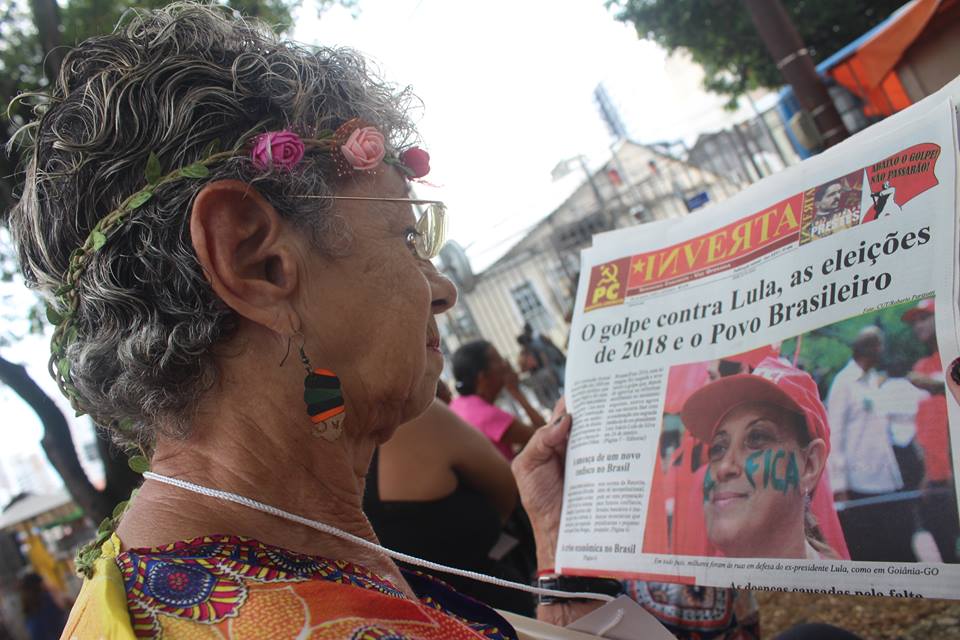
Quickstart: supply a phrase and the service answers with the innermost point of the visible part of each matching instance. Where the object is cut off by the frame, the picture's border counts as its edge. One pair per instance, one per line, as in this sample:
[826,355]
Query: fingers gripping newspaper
[758,388]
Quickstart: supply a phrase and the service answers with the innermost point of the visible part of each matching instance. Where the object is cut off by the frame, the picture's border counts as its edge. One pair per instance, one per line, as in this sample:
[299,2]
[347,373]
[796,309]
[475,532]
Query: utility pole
[793,60]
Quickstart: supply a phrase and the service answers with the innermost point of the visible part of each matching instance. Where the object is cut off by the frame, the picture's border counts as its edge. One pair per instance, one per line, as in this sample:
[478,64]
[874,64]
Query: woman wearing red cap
[767,438]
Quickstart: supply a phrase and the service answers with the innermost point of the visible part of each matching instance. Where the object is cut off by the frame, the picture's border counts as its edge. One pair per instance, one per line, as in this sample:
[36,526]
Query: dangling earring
[324,400]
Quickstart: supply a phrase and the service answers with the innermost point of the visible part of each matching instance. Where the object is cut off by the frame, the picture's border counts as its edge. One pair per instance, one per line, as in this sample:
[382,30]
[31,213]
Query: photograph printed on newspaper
[758,388]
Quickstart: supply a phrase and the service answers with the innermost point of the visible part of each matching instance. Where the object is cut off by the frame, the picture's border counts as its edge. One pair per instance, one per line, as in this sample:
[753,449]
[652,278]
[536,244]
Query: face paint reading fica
[765,462]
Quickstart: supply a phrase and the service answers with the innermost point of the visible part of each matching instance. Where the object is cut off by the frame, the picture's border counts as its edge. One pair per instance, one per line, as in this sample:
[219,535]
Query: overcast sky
[507,88]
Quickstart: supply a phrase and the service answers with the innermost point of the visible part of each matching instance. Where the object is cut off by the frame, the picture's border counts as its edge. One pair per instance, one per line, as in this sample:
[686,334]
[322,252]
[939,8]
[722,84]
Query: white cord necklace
[396,555]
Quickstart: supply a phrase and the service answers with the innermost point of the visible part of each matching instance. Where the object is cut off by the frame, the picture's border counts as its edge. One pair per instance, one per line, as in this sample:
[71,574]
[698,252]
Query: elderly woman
[202,200]
[767,439]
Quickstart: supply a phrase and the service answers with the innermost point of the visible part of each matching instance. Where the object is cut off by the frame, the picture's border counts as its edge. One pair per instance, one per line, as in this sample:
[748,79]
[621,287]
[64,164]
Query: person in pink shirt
[482,374]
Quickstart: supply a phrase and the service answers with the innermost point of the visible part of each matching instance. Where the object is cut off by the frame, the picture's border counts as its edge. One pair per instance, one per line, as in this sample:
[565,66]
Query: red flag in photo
[899,178]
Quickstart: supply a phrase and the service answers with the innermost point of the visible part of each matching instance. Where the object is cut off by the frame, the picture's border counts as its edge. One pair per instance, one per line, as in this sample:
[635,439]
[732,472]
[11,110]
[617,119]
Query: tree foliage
[720,36]
[34,36]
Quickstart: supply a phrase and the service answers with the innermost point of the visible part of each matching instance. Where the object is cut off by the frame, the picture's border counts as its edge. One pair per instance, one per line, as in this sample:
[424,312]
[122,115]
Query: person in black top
[439,490]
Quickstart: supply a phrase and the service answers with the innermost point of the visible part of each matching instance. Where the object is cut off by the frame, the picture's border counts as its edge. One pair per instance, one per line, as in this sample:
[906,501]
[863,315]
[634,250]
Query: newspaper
[758,388]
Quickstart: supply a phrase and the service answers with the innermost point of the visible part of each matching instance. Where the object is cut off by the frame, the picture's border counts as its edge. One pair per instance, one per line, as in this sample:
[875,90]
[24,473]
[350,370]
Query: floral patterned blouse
[217,587]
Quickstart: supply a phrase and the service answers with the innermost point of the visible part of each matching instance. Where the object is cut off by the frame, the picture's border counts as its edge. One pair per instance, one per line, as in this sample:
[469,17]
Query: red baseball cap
[924,308]
[773,381]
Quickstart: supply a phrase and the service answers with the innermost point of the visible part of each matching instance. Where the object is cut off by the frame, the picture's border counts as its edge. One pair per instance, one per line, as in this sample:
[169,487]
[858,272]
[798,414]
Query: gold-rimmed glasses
[428,235]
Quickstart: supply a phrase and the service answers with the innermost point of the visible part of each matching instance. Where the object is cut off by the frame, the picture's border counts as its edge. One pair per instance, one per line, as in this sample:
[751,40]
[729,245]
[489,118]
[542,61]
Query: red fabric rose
[364,149]
[417,161]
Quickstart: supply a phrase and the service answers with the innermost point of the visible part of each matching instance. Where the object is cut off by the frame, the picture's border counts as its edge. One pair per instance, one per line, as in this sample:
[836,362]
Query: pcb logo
[607,284]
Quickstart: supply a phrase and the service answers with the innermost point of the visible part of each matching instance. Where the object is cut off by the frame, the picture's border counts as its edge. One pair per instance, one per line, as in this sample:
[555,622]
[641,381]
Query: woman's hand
[510,379]
[539,473]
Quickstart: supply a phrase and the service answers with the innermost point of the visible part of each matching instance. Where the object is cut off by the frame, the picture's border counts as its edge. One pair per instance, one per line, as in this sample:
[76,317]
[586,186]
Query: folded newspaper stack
[758,388]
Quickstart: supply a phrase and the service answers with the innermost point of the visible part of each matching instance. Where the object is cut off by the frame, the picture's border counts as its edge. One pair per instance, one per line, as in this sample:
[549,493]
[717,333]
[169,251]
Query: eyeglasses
[428,235]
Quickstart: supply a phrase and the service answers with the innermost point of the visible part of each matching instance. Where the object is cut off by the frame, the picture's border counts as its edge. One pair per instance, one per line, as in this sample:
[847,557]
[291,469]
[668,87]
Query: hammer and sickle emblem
[608,287]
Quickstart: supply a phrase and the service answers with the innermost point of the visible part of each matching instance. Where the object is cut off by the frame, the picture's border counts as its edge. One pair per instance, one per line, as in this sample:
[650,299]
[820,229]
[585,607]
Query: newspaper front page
[758,388]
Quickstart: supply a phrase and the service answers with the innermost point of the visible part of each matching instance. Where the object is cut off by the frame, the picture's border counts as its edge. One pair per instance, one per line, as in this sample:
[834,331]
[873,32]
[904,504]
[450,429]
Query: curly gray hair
[172,82]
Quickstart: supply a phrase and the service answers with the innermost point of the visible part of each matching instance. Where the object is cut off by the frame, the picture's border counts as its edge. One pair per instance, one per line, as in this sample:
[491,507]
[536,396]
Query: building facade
[535,281]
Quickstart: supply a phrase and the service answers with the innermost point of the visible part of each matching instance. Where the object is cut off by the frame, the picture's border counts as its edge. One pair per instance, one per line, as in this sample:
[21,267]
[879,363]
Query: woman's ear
[813,465]
[246,253]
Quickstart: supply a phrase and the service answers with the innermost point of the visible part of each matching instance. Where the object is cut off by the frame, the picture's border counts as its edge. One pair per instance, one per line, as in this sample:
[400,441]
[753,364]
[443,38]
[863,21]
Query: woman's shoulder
[449,429]
[224,586]
[439,426]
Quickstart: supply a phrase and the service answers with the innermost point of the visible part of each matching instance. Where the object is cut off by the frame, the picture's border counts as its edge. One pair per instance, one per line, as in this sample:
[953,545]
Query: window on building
[467,326]
[530,307]
[579,234]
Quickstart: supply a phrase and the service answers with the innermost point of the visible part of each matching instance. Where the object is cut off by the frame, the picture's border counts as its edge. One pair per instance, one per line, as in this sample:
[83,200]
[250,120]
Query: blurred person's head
[921,319]
[528,360]
[527,334]
[767,436]
[867,347]
[479,369]
[32,594]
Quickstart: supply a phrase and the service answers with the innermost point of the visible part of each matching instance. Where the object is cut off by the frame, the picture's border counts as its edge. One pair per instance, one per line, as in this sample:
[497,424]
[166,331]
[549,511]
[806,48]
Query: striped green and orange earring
[324,400]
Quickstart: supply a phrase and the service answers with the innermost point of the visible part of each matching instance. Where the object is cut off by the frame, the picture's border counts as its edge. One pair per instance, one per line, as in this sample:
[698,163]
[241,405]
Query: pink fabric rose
[276,149]
[364,149]
[417,161]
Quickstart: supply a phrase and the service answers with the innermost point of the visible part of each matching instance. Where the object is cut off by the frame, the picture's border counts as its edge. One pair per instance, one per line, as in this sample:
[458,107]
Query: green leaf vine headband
[357,147]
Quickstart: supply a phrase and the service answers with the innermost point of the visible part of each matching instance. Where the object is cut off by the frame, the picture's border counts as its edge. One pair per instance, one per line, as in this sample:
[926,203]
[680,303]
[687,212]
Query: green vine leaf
[86,557]
[153,172]
[63,290]
[53,317]
[98,240]
[325,133]
[195,170]
[63,367]
[139,464]
[120,508]
[139,199]
[106,527]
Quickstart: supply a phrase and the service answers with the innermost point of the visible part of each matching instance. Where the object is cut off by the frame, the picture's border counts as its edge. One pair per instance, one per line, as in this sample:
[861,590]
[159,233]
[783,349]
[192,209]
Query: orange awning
[870,71]
[880,54]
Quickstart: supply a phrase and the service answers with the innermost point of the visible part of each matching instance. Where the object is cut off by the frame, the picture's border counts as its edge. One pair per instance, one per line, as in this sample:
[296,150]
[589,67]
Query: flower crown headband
[355,145]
